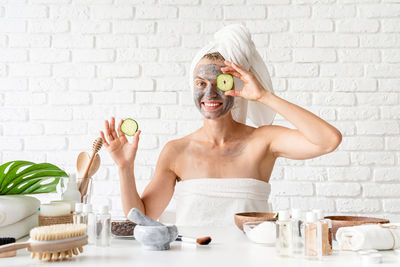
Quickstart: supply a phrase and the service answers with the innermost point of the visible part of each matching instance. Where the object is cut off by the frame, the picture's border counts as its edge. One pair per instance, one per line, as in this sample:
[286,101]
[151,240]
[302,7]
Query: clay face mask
[209,100]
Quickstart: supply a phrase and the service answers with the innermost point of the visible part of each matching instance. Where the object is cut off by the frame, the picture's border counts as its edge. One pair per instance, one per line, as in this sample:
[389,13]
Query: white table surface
[229,247]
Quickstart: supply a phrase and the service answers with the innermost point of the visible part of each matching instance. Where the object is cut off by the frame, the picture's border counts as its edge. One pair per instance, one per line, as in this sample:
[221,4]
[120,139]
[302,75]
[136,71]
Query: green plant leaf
[34,171]
[24,177]
[12,170]
[39,175]
[47,188]
[2,171]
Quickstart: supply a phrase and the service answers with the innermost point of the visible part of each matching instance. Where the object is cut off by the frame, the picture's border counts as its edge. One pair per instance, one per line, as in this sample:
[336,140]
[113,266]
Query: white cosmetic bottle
[284,234]
[72,192]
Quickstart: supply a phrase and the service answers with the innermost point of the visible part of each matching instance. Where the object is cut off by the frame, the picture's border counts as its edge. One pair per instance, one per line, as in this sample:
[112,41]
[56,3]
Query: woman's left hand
[252,88]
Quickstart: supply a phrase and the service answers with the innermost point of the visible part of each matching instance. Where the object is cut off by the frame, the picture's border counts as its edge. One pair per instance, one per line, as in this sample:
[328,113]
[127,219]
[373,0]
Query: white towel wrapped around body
[14,208]
[369,236]
[20,228]
[214,201]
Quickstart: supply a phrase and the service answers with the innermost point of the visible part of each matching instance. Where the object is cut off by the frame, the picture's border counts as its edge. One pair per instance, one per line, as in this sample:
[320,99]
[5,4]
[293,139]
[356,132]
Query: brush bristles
[60,255]
[57,232]
[97,144]
[203,240]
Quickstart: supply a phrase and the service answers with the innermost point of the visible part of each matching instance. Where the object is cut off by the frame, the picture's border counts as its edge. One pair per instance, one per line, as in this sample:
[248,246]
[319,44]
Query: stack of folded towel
[369,236]
[18,215]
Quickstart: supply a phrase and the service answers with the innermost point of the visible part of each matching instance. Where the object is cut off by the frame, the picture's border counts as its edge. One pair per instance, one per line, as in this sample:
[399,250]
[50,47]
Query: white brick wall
[66,65]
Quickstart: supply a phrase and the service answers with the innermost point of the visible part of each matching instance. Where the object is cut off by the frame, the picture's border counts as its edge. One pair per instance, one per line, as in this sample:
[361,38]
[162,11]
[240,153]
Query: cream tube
[55,209]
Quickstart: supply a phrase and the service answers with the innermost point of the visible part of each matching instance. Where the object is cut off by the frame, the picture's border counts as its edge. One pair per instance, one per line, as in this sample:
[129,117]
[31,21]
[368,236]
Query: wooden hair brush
[53,241]
[83,186]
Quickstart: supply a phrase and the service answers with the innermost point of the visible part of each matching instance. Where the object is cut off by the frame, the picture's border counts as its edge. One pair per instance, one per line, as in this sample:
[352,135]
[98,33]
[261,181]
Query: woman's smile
[210,106]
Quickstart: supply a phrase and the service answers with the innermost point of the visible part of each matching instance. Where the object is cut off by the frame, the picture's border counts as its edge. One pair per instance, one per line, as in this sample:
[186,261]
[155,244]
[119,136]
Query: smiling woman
[211,101]
[224,167]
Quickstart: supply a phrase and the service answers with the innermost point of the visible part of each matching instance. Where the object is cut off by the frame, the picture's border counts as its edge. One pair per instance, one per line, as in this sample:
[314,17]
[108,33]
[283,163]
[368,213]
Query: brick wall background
[66,65]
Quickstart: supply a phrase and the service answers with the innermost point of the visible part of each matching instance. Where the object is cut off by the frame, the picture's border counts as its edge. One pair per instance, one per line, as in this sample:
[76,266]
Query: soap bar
[55,209]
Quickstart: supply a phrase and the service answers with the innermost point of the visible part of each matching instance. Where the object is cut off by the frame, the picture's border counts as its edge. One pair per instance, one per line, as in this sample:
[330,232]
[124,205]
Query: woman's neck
[220,130]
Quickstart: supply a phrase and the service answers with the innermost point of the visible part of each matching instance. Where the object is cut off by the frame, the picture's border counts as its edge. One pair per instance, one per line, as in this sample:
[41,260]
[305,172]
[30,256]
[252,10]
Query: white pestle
[139,218]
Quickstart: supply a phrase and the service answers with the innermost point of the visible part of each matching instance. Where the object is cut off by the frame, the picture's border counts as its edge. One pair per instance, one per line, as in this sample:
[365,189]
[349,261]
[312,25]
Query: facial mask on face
[209,100]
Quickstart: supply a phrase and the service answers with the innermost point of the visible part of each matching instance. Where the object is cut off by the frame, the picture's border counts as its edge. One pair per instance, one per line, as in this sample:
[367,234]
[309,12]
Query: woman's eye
[201,84]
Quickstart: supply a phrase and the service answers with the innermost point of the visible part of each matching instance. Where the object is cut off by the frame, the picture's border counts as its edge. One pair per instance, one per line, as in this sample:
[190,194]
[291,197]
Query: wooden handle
[83,185]
[14,246]
[85,174]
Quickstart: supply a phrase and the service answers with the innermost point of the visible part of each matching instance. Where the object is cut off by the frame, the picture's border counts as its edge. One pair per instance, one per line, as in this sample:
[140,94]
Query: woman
[223,167]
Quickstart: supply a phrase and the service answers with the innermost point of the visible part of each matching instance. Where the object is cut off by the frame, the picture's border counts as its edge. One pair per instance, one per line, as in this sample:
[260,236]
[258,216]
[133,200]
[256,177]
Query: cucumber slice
[129,127]
[225,82]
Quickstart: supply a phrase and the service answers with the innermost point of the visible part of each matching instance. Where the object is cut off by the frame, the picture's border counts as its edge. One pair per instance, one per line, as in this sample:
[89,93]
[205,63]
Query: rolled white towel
[20,228]
[369,236]
[14,208]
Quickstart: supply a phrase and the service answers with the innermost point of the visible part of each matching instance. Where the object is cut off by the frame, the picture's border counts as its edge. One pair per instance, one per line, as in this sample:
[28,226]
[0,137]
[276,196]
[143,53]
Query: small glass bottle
[298,232]
[78,216]
[330,236]
[103,227]
[90,220]
[284,234]
[312,246]
[324,232]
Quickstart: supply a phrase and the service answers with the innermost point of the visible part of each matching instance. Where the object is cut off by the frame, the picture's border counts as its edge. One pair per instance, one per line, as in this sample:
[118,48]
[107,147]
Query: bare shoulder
[176,146]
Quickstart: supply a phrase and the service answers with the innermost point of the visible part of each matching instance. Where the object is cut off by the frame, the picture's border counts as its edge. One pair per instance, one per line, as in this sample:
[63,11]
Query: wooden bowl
[241,218]
[345,221]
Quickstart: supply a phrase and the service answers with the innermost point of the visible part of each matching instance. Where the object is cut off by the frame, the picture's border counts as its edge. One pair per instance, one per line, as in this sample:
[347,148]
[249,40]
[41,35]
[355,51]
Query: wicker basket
[49,220]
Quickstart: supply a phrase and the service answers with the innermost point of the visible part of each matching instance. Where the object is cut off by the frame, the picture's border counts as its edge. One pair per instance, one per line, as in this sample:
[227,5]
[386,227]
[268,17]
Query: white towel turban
[234,43]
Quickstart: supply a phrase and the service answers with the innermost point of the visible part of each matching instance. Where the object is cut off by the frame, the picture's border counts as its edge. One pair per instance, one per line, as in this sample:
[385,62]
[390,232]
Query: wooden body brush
[83,186]
[53,241]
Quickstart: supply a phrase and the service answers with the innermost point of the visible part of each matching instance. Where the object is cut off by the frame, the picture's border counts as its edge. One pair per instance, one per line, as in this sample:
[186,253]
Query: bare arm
[158,192]
[313,136]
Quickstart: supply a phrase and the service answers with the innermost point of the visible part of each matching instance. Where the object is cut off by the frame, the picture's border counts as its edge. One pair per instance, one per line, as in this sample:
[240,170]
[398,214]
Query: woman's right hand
[121,151]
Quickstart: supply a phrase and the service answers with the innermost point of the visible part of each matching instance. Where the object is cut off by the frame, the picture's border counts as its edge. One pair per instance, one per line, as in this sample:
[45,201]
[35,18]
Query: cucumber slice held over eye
[225,82]
[129,127]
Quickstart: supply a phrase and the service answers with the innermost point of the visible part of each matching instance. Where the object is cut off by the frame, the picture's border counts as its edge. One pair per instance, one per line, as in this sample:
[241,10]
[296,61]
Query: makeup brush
[201,240]
[83,186]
